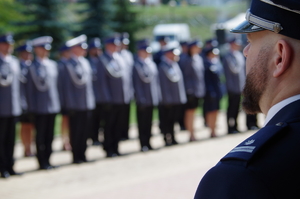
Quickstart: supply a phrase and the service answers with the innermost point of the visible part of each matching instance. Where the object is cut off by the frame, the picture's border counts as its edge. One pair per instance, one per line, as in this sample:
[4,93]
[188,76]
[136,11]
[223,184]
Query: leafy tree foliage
[127,20]
[9,13]
[165,1]
[45,19]
[98,15]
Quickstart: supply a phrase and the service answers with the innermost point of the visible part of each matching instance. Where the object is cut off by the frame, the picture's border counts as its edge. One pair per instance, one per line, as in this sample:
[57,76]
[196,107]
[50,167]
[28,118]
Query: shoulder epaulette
[252,145]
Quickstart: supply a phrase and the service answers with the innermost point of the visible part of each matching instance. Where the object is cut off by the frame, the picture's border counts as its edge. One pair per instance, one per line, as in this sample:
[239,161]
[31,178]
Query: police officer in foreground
[146,90]
[266,165]
[43,99]
[79,96]
[172,90]
[10,104]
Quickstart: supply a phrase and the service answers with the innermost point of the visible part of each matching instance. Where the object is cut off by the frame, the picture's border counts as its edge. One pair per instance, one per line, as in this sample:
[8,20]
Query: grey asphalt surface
[165,173]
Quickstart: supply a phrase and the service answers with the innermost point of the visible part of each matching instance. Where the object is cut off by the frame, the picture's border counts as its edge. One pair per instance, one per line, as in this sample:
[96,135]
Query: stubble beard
[256,83]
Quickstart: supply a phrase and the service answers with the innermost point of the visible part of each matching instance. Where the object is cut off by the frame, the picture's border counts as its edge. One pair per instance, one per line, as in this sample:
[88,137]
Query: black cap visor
[246,27]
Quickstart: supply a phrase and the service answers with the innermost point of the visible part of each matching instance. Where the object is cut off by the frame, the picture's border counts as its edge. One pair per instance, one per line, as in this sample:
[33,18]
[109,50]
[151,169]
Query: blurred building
[146,2]
[189,2]
[211,2]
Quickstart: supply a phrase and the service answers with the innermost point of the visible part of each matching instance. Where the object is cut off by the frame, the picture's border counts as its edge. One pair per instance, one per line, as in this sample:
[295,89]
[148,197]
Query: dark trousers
[44,126]
[79,128]
[7,142]
[251,121]
[125,122]
[233,111]
[144,119]
[97,121]
[168,115]
[181,116]
[116,122]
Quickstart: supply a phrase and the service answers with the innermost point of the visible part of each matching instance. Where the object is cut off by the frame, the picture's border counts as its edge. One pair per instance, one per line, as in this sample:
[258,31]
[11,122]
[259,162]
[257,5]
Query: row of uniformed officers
[100,88]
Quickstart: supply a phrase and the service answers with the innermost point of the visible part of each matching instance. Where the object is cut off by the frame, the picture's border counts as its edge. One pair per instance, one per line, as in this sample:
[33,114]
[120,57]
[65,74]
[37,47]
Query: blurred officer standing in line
[172,90]
[163,40]
[234,69]
[65,55]
[193,75]
[10,104]
[116,95]
[125,53]
[147,91]
[78,95]
[265,165]
[183,55]
[25,57]
[94,53]
[127,59]
[43,99]
[213,94]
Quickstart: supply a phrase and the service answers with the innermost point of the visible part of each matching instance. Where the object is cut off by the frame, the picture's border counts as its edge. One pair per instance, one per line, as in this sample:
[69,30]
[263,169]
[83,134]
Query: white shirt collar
[277,107]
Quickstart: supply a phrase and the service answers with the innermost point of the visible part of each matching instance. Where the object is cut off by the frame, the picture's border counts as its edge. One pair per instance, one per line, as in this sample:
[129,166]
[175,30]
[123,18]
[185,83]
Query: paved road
[166,173]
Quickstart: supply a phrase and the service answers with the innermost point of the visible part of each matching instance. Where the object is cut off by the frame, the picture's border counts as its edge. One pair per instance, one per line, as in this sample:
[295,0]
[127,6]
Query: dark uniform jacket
[146,82]
[125,60]
[212,74]
[41,87]
[234,69]
[24,65]
[76,82]
[171,83]
[61,65]
[264,166]
[193,75]
[10,103]
[101,90]
[117,81]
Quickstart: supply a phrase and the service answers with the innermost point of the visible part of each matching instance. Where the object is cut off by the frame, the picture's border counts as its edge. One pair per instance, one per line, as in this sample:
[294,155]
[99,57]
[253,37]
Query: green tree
[97,18]
[165,1]
[45,19]
[127,20]
[9,13]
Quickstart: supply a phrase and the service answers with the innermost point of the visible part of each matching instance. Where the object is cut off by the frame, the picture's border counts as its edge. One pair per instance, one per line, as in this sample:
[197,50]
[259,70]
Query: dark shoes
[233,132]
[13,173]
[7,174]
[146,148]
[47,167]
[111,154]
[96,143]
[82,161]
[253,128]
[173,142]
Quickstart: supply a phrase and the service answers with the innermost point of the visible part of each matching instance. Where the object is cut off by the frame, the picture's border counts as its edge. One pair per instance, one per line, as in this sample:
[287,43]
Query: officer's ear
[283,57]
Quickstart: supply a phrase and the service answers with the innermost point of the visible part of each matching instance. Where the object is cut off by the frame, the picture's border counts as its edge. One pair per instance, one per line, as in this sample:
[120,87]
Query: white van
[174,32]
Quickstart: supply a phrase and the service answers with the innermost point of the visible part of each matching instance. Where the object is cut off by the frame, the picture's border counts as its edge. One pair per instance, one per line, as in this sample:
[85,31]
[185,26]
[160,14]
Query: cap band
[264,23]
[280,6]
